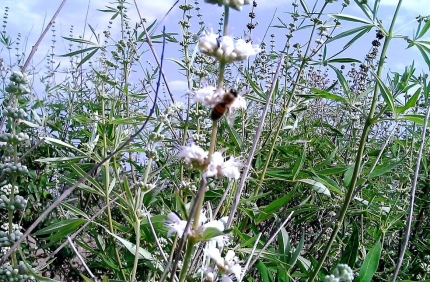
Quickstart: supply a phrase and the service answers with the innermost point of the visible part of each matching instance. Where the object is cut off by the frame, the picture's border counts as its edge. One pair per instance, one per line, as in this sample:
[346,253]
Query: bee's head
[234,92]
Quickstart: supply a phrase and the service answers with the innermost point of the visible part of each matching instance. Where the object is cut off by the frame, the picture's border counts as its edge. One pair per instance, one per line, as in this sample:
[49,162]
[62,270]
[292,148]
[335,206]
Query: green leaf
[370,264]
[296,253]
[414,118]
[299,162]
[384,168]
[318,93]
[424,30]
[60,143]
[351,251]
[79,40]
[344,60]
[269,210]
[87,57]
[385,92]
[342,81]
[351,19]
[211,232]
[424,51]
[284,244]
[143,254]
[410,103]
[79,52]
[59,159]
[361,29]
[264,273]
[305,8]
[316,186]
[65,224]
[275,205]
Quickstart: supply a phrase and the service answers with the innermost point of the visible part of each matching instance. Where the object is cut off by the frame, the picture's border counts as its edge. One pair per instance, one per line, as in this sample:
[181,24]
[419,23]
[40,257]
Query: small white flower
[208,96]
[175,224]
[219,167]
[228,265]
[230,168]
[214,166]
[193,155]
[235,4]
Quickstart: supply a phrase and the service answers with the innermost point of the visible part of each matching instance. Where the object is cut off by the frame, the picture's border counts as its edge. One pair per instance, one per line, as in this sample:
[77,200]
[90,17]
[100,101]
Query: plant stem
[136,254]
[369,122]
[187,259]
[107,196]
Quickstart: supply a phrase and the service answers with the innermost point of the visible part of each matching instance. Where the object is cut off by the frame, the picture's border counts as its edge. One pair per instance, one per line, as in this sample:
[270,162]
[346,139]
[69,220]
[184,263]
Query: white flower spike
[235,4]
[224,48]
[194,155]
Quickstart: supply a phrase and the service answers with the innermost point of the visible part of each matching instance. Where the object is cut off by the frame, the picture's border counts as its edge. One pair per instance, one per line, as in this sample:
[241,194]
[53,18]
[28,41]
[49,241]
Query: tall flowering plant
[211,163]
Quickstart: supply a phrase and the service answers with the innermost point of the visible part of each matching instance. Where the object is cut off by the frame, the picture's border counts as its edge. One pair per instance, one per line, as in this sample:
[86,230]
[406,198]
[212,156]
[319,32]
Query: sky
[29,17]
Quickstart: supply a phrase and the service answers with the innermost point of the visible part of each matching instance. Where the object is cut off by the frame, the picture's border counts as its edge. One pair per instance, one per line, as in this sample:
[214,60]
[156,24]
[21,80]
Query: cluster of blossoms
[209,96]
[342,273]
[196,157]
[225,48]
[206,231]
[227,266]
[235,4]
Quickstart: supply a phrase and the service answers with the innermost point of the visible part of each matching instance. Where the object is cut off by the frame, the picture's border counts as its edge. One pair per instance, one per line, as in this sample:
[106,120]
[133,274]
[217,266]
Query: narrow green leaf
[411,102]
[296,253]
[342,81]
[79,40]
[59,159]
[370,264]
[87,57]
[299,162]
[275,205]
[58,142]
[77,52]
[350,18]
[365,8]
[348,176]
[355,38]
[424,30]
[349,32]
[318,93]
[316,186]
[60,225]
[349,256]
[385,92]
[284,244]
[424,53]
[344,60]
[414,118]
[264,273]
[304,6]
[384,168]
[143,254]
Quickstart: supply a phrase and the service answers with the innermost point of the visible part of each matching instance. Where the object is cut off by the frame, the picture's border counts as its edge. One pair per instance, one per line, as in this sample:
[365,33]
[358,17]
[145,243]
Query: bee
[221,108]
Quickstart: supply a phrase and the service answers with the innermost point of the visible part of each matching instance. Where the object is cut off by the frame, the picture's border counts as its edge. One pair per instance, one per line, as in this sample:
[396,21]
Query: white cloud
[178,86]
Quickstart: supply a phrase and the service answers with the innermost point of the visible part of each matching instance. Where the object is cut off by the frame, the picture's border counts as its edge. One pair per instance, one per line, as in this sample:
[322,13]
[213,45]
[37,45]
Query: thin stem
[408,226]
[254,146]
[360,153]
[106,166]
[213,139]
[187,259]
[137,253]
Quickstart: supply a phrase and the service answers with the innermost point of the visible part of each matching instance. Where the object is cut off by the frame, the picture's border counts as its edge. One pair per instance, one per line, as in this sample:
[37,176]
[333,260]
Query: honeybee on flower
[221,102]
